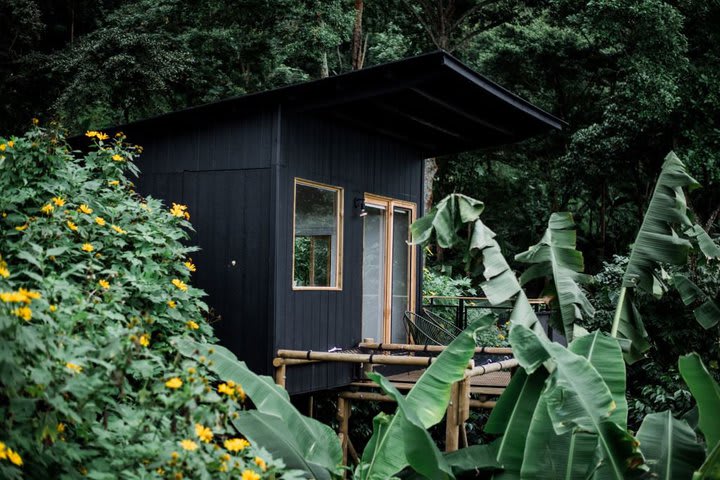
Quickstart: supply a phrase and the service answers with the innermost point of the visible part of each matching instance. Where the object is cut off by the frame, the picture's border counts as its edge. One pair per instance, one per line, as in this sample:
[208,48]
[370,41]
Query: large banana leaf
[572,455]
[657,242]
[317,443]
[710,469]
[501,284]
[384,455]
[420,450]
[708,313]
[578,399]
[556,257]
[707,395]
[271,432]
[670,446]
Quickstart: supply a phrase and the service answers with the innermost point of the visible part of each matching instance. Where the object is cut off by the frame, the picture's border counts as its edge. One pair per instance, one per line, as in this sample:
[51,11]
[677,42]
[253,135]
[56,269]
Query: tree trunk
[324,69]
[431,168]
[358,56]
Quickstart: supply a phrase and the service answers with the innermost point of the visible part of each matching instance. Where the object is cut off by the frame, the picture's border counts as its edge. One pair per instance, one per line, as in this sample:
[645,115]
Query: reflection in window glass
[316,244]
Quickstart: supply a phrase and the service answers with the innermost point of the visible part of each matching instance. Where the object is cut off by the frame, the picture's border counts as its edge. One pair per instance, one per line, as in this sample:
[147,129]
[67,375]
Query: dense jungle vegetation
[634,79]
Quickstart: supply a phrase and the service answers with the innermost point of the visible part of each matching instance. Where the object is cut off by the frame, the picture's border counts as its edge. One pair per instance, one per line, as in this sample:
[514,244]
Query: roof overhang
[432,102]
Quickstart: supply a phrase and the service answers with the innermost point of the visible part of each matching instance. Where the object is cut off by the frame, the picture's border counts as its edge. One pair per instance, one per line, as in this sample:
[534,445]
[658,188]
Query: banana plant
[666,236]
[398,440]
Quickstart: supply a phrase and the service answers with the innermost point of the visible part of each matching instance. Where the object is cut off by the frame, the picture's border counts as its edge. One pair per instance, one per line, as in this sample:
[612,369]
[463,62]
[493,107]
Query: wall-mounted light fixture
[360,207]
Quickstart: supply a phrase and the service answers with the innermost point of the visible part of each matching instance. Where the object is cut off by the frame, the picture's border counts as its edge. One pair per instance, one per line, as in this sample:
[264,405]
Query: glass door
[388,268]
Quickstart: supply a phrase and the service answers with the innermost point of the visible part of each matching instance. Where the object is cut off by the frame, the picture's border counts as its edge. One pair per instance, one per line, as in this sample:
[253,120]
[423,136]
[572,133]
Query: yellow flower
[191,370]
[60,427]
[4,272]
[72,226]
[35,121]
[178,210]
[114,183]
[188,445]
[2,147]
[58,201]
[3,451]
[118,158]
[85,209]
[88,247]
[14,457]
[73,367]
[236,444]
[174,383]
[160,471]
[190,266]
[22,227]
[104,284]
[118,229]
[171,304]
[203,433]
[119,134]
[144,340]
[260,463]
[47,209]
[100,221]
[192,325]
[240,393]
[179,284]
[226,389]
[102,136]
[11,144]
[250,475]
[91,133]
[53,308]
[23,312]
[501,337]
[29,295]
[175,455]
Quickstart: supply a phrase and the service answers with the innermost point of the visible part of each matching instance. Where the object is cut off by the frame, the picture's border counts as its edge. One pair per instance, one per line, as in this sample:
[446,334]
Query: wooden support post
[280,374]
[463,408]
[343,416]
[451,420]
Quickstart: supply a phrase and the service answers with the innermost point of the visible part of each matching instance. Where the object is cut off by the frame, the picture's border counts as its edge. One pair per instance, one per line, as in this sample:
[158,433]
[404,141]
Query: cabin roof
[433,102]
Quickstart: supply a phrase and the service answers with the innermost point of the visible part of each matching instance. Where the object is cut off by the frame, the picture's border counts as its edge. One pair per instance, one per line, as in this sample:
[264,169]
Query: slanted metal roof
[433,102]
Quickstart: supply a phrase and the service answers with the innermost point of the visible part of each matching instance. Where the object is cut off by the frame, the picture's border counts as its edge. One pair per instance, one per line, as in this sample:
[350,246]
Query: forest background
[634,79]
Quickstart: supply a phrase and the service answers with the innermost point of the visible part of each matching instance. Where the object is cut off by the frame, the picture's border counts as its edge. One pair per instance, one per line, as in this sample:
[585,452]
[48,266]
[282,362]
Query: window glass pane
[400,273]
[316,236]
[373,293]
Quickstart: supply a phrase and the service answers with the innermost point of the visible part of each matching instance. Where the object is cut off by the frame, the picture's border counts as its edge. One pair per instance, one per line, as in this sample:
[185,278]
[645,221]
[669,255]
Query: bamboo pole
[280,375]
[343,416]
[356,358]
[429,348]
[369,396]
[492,367]
[452,430]
[291,361]
[482,403]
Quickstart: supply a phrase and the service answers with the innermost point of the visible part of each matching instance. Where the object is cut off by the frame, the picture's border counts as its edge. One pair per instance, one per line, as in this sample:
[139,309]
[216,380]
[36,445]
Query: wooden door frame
[389,204]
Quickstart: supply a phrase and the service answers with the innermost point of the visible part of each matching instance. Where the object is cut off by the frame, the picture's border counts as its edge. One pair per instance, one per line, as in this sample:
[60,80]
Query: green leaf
[318,443]
[473,459]
[710,469]
[446,219]
[273,434]
[707,395]
[670,446]
[708,313]
[385,454]
[555,256]
[707,246]
[420,449]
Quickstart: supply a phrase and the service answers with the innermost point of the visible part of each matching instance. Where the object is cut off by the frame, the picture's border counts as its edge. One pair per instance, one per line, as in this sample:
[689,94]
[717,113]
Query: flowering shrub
[94,288]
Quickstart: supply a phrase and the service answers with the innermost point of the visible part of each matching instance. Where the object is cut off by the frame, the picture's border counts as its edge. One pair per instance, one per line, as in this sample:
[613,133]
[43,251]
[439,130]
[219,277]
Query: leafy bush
[95,289]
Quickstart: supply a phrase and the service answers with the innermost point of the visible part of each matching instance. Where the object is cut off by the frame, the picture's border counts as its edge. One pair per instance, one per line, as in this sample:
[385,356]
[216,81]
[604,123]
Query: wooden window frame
[389,204]
[339,217]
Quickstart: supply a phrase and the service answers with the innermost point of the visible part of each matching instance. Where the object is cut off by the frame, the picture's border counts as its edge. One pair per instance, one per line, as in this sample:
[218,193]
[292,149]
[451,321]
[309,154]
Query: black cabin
[302,198]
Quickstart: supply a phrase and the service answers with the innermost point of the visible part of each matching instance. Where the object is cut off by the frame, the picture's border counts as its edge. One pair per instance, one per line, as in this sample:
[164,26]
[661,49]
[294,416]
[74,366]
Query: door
[388,268]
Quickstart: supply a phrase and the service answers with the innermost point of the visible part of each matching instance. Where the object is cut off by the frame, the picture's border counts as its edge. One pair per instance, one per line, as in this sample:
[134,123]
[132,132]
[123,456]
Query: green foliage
[303,442]
[94,292]
[389,451]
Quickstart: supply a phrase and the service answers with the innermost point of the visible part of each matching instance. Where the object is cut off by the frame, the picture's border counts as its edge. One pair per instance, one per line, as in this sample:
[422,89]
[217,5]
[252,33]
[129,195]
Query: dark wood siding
[325,152]
[222,172]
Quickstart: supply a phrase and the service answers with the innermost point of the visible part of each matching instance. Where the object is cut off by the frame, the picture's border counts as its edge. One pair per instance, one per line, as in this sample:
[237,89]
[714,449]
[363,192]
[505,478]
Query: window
[388,268]
[317,236]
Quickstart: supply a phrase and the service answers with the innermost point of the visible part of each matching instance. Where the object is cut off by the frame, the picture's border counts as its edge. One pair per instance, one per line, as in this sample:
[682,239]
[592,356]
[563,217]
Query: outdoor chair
[424,330]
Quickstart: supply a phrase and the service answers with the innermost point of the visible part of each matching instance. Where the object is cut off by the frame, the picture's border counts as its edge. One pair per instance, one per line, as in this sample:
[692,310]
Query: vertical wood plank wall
[221,170]
[236,176]
[359,162]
